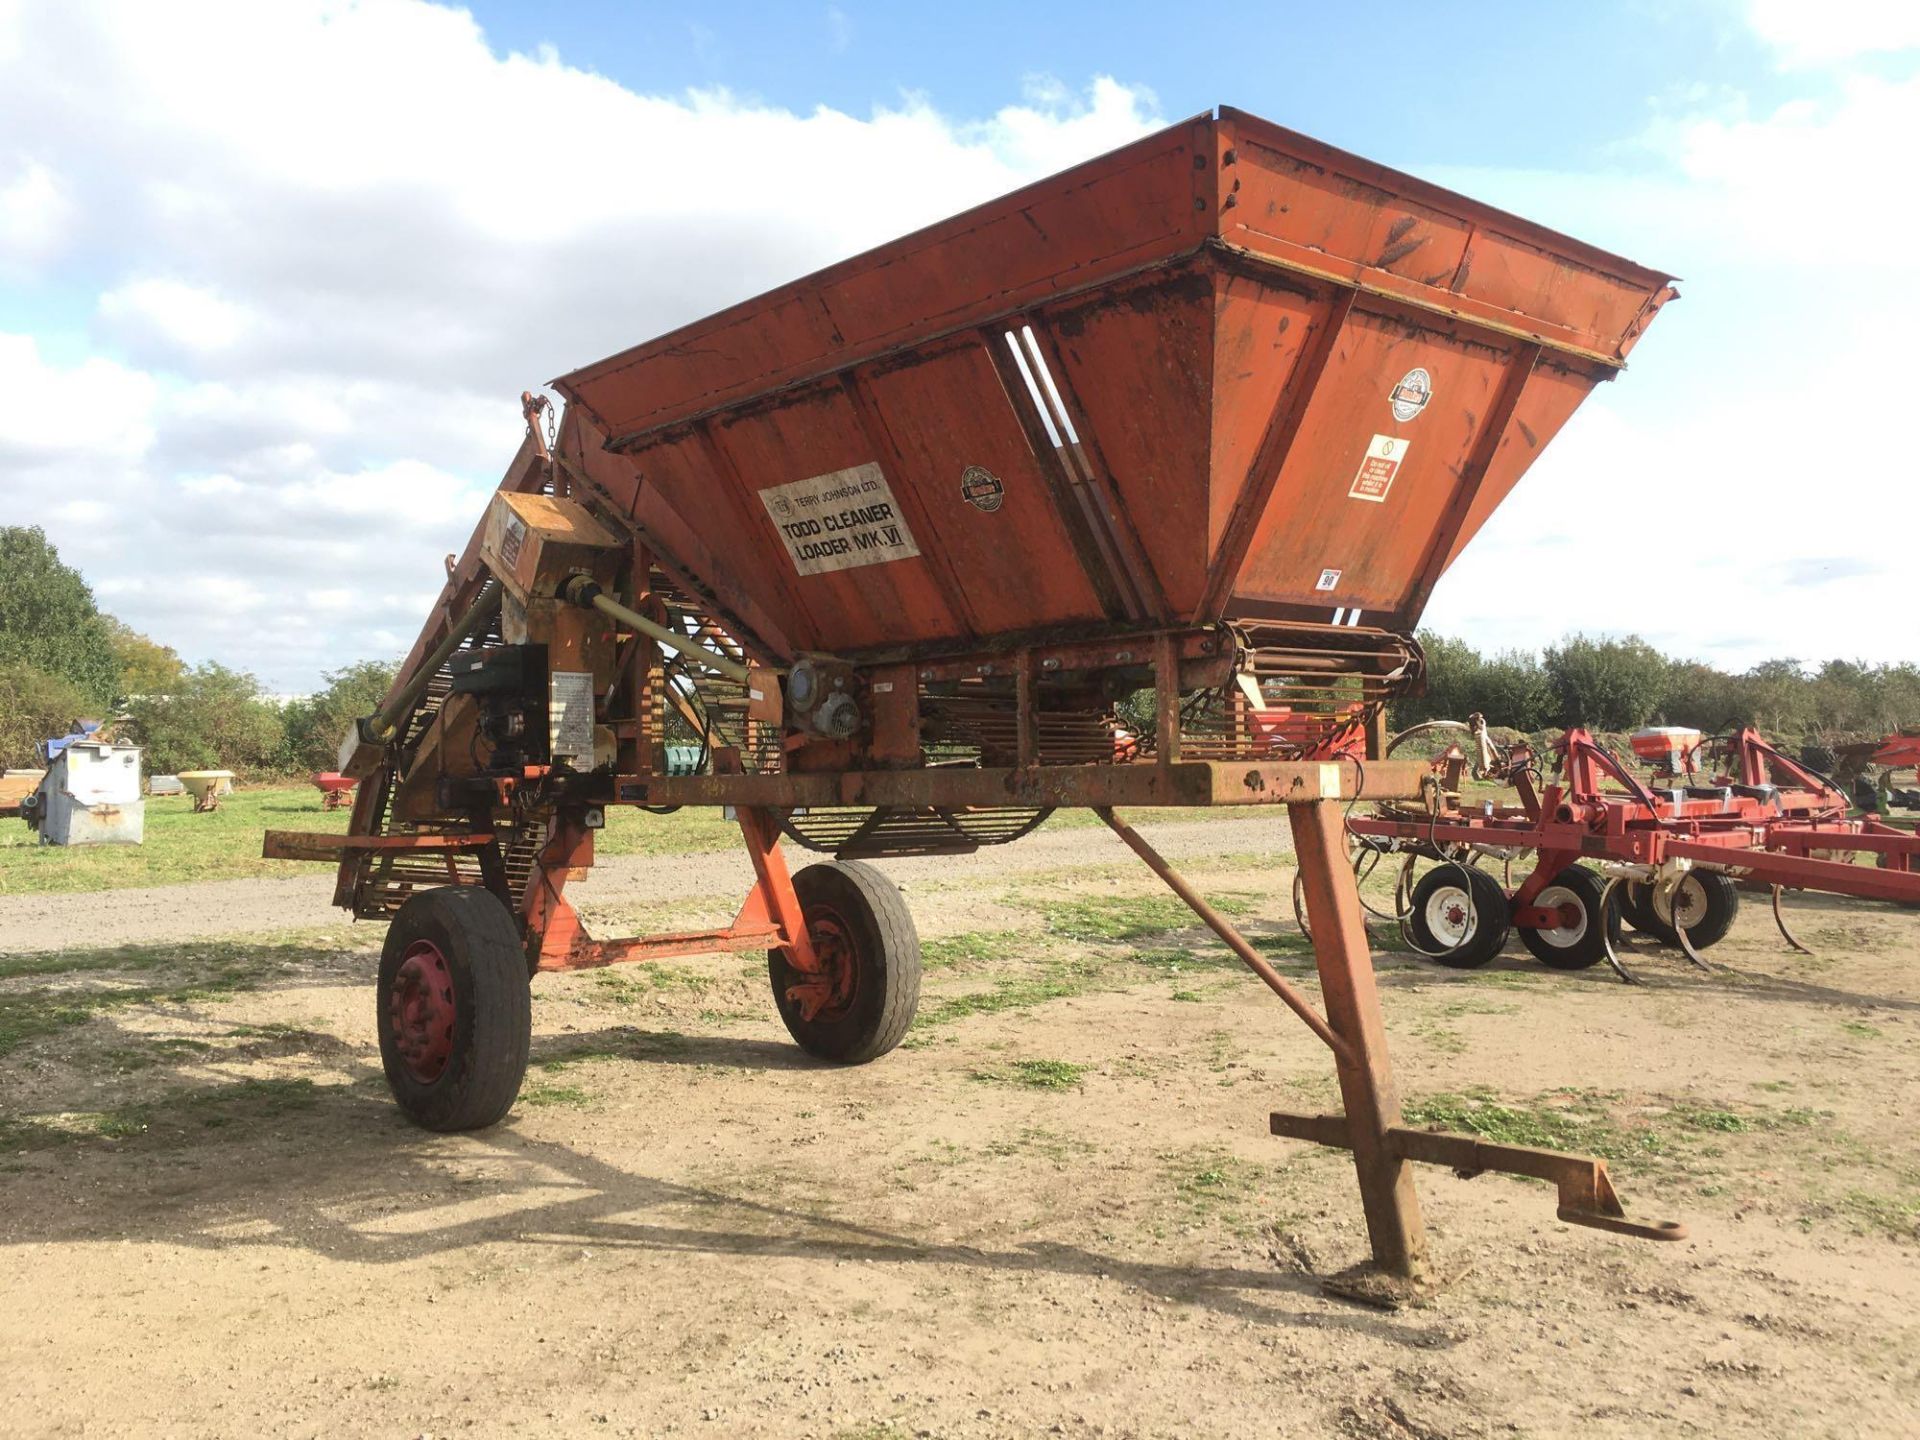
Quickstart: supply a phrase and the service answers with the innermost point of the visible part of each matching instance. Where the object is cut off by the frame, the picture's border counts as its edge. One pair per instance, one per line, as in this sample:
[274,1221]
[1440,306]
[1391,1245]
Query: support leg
[1352,1003]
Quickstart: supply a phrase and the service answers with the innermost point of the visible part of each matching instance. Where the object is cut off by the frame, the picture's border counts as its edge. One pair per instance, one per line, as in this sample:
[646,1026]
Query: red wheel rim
[838,953]
[420,1012]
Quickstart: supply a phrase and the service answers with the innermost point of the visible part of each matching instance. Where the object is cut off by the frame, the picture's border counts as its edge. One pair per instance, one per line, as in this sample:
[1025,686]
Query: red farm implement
[1673,851]
[881,560]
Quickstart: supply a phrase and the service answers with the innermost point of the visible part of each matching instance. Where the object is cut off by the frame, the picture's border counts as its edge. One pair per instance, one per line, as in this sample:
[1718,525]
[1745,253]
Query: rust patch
[1399,251]
[1526,433]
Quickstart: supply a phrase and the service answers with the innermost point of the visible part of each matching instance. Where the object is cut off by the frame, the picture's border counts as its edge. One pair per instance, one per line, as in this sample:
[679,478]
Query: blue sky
[1514,85]
[271,282]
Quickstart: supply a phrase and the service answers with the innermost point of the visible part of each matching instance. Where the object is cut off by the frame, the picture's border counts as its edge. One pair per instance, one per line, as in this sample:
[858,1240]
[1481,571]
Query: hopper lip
[1410,186]
[1224,119]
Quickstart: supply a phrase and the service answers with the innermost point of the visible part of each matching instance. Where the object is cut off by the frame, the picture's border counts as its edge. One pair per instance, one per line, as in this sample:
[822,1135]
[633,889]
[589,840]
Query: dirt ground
[1055,1211]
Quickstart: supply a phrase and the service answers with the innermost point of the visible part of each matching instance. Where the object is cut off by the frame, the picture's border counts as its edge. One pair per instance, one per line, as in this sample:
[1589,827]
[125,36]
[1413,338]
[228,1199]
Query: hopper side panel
[874,600]
[673,492]
[1261,331]
[1348,527]
[1552,395]
[989,510]
[1139,375]
[1107,224]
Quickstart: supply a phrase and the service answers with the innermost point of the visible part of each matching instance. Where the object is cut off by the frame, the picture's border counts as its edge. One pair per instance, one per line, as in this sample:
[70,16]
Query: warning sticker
[839,520]
[1384,457]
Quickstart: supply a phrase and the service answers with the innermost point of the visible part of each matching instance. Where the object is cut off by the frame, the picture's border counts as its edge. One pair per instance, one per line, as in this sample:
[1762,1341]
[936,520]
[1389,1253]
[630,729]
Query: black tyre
[860,1006]
[1458,916]
[1707,904]
[1636,907]
[1577,942]
[455,1012]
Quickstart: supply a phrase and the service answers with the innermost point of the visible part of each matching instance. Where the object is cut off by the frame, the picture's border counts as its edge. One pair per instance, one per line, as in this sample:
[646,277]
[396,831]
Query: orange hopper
[1225,371]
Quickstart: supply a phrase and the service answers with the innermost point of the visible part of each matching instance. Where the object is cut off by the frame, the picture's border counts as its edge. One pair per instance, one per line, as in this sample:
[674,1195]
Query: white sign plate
[839,520]
[570,717]
[1385,455]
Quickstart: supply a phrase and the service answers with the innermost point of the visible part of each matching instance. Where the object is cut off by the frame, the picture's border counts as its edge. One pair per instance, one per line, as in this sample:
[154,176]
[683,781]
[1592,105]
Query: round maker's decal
[981,488]
[1411,395]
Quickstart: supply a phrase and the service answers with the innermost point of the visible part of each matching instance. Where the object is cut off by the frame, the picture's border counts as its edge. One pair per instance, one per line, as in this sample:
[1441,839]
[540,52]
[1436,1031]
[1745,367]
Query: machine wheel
[1578,945]
[1636,907]
[1707,904]
[455,1012]
[1458,916]
[865,937]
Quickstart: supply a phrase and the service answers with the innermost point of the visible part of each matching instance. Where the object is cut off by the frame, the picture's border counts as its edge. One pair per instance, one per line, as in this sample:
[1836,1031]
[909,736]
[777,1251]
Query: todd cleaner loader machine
[874,559]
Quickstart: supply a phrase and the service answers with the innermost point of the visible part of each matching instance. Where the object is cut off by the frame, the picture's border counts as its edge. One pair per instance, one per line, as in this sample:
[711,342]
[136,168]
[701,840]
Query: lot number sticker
[1385,455]
[839,520]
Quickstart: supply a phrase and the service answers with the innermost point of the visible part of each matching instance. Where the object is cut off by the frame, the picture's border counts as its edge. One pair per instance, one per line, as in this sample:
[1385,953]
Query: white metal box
[91,796]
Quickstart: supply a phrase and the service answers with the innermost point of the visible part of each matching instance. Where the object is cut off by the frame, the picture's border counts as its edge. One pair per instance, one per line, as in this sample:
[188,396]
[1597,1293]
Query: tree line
[63,659]
[1622,684]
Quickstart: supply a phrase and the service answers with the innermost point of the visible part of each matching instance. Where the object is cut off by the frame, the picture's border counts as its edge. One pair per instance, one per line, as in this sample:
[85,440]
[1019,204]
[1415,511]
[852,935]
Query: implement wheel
[1458,916]
[455,1011]
[1636,907]
[1707,903]
[860,1005]
[1577,941]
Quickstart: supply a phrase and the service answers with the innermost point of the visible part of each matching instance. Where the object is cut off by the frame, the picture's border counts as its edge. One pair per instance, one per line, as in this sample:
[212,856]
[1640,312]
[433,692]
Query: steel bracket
[1587,1195]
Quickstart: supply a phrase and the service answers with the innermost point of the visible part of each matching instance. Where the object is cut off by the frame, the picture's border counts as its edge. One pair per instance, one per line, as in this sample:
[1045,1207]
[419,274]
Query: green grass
[1009,992]
[180,846]
[970,950]
[1895,1216]
[183,848]
[1032,1074]
[550,1095]
[93,983]
[1579,1121]
[175,1116]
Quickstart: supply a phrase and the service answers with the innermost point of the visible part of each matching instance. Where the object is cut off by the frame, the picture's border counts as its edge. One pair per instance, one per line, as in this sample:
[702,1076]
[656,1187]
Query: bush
[37,705]
[1510,688]
[1620,685]
[214,719]
[316,725]
[1606,684]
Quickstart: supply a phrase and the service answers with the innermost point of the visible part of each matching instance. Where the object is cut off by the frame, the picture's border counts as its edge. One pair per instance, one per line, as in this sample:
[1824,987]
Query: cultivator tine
[1780,919]
[1686,945]
[1606,935]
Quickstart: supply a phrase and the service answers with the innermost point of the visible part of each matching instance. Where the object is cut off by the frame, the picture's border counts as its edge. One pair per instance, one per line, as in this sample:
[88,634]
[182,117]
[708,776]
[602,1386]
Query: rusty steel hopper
[1226,371]
[887,560]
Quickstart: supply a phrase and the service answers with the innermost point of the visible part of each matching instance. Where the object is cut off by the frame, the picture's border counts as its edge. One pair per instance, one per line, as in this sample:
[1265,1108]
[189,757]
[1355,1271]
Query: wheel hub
[421,1012]
[828,994]
[1571,913]
[1450,917]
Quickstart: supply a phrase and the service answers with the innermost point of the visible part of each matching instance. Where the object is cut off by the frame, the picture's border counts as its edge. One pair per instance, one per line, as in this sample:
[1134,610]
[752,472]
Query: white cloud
[34,212]
[1807,34]
[332,240]
[96,412]
[172,319]
[1744,491]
